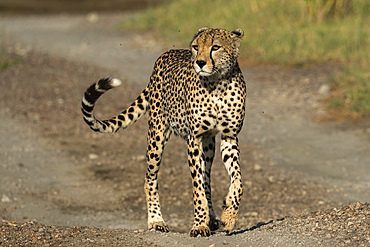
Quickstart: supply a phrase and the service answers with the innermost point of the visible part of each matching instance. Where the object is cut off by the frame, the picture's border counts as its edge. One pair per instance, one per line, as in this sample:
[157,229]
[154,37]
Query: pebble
[92,17]
[253,214]
[93,156]
[139,158]
[324,90]
[257,167]
[5,199]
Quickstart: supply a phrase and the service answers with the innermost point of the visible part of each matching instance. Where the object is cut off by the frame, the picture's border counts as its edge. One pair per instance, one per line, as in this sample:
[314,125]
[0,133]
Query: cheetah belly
[176,116]
[179,126]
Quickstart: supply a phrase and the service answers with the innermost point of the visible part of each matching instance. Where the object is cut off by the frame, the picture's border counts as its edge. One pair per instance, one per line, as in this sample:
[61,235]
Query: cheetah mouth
[204,73]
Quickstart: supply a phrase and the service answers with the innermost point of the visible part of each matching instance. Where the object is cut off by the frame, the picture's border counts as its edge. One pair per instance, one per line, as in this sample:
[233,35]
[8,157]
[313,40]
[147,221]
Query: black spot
[207,123]
[226,131]
[226,157]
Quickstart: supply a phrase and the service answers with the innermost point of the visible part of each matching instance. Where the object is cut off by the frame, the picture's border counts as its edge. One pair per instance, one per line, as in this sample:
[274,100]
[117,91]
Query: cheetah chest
[222,110]
[205,112]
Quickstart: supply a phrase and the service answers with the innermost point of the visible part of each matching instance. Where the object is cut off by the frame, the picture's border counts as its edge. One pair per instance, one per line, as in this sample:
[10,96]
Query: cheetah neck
[218,82]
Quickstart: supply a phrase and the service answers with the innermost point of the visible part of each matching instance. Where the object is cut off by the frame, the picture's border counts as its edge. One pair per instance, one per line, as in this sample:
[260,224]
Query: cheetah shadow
[259,225]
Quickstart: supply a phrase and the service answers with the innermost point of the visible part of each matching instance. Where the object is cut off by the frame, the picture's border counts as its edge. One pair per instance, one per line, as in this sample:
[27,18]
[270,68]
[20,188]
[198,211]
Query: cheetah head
[215,51]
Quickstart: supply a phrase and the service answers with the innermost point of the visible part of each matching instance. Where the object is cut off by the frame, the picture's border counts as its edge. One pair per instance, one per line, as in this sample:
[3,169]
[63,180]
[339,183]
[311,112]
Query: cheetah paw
[215,224]
[159,226]
[202,231]
[228,220]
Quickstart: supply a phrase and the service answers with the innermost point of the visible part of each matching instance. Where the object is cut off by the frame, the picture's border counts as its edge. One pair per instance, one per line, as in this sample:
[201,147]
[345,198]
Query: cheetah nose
[201,63]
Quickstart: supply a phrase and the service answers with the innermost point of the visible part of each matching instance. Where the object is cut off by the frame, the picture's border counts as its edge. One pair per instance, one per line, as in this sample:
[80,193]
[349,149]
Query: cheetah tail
[124,119]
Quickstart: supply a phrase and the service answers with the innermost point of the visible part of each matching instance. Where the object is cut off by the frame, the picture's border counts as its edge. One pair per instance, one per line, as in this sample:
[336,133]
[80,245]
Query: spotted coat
[194,93]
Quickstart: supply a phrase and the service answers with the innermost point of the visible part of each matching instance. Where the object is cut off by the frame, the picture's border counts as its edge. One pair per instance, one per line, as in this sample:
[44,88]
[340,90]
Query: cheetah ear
[201,30]
[237,33]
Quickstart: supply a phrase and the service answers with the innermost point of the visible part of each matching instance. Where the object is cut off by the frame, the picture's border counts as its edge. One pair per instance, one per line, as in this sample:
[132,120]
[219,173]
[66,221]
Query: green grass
[280,32]
[352,90]
[5,62]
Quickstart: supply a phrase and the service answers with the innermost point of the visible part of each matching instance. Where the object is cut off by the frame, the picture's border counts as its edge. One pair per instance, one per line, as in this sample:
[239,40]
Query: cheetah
[194,93]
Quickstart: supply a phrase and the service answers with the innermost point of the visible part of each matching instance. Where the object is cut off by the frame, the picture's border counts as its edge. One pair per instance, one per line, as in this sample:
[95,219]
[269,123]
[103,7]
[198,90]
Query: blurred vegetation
[282,32]
[318,10]
[73,6]
[6,62]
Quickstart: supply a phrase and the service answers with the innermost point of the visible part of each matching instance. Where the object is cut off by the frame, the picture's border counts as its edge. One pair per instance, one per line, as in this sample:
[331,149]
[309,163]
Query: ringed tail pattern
[124,119]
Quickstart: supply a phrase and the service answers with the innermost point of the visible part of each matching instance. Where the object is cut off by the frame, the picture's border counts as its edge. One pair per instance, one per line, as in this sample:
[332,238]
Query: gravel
[345,226]
[348,225]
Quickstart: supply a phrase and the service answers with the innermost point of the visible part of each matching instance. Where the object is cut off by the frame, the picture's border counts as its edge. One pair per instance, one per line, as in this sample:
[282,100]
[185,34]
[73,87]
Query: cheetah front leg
[197,169]
[230,157]
[157,139]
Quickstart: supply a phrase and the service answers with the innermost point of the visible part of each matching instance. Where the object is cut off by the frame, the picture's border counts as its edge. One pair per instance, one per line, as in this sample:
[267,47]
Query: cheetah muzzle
[194,93]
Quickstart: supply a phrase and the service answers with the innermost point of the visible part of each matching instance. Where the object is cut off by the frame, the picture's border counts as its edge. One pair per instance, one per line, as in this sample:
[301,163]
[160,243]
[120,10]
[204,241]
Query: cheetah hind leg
[215,223]
[209,145]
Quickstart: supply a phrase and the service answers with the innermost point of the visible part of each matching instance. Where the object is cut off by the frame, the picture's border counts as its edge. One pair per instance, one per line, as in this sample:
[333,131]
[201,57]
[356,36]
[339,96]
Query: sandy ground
[55,171]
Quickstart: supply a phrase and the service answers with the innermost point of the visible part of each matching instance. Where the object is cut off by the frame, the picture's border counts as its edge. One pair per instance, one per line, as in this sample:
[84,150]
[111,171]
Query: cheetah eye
[195,47]
[216,47]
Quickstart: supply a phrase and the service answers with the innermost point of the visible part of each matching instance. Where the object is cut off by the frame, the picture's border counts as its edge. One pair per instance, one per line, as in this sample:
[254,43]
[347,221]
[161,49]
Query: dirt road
[56,171]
